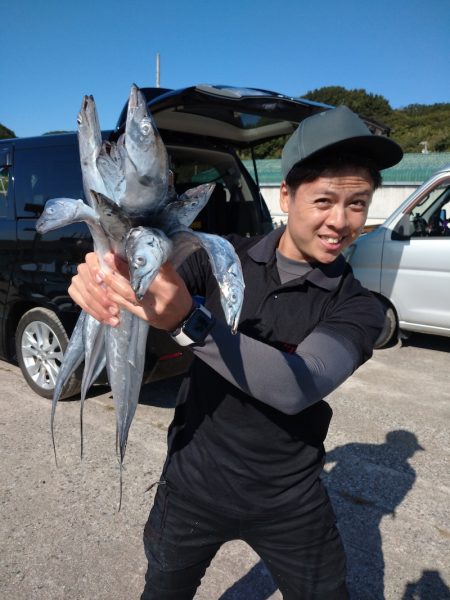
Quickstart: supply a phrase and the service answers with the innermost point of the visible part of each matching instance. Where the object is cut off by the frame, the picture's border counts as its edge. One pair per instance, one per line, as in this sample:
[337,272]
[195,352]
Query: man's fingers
[115,263]
[88,291]
[119,284]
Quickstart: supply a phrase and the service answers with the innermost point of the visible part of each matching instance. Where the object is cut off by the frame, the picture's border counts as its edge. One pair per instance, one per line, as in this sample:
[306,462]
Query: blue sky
[55,51]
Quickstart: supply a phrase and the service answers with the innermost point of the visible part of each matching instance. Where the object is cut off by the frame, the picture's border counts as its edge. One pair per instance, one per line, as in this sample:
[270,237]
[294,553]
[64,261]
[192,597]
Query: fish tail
[52,425]
[81,427]
[53,443]
[120,486]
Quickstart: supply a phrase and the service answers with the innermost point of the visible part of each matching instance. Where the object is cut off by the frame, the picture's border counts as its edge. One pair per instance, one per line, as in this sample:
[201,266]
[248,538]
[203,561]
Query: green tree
[364,103]
[6,133]
[418,123]
[409,126]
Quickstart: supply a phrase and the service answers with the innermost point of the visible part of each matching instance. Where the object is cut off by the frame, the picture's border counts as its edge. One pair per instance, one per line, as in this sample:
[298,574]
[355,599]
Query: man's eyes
[359,203]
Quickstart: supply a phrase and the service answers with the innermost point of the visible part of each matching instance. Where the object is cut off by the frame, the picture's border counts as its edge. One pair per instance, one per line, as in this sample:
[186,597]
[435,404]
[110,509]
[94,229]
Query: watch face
[198,326]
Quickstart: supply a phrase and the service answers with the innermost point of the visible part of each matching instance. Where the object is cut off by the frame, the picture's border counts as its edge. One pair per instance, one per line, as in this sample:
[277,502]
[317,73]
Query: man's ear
[284,197]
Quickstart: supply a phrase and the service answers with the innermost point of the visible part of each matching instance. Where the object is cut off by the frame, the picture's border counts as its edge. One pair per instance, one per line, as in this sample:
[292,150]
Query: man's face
[325,215]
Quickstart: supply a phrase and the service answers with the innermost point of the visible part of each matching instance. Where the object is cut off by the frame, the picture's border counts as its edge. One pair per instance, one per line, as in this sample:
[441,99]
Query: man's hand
[102,292]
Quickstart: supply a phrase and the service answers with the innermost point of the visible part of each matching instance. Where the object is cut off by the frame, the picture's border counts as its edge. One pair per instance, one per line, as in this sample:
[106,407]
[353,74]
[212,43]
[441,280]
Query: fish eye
[140,261]
[145,126]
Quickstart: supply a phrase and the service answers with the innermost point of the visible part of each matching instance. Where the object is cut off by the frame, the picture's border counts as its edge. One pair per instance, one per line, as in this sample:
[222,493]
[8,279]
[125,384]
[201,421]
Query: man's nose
[337,217]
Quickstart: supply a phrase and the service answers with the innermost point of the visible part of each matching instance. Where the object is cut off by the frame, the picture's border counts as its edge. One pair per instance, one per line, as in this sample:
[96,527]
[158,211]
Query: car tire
[390,327]
[41,341]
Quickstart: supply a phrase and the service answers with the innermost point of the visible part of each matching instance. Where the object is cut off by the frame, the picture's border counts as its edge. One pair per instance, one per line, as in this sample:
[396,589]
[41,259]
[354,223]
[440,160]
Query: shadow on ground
[427,342]
[366,483]
[429,587]
[257,584]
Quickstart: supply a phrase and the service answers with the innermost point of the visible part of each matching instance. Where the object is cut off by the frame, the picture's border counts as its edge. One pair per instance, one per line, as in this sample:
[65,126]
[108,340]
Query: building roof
[414,168]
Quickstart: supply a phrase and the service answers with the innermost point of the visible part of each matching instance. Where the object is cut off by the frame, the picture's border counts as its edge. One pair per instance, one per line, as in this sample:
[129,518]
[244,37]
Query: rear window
[46,172]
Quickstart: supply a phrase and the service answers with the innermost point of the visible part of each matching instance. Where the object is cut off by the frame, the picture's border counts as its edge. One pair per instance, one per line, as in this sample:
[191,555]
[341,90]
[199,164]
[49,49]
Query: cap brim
[383,151]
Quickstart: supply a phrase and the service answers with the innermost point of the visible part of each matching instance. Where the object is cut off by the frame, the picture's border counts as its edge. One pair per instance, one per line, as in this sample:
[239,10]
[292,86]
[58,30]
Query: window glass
[231,207]
[4,179]
[4,182]
[431,216]
[43,173]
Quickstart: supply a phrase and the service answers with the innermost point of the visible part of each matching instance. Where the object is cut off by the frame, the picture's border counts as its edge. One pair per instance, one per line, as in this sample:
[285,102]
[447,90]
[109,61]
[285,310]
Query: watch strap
[181,334]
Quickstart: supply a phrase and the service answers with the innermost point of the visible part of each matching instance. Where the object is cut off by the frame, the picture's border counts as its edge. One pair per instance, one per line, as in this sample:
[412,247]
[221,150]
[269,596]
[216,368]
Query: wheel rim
[42,354]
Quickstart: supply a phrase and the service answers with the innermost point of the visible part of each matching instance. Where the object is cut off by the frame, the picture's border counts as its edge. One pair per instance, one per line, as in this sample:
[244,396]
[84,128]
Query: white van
[406,262]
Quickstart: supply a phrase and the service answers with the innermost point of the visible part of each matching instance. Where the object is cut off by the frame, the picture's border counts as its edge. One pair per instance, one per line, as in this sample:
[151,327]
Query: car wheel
[389,328]
[41,341]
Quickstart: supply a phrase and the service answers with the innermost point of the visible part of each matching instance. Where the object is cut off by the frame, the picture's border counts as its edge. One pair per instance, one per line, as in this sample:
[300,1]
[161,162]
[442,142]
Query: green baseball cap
[341,130]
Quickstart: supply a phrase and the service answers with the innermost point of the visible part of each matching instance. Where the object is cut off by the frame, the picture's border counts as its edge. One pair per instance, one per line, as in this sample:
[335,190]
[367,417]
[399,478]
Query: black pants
[303,552]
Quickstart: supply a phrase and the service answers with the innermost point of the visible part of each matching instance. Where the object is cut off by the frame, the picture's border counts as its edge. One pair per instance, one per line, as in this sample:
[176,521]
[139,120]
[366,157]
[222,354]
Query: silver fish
[91,148]
[125,353]
[114,219]
[86,342]
[185,209]
[73,357]
[146,162]
[110,165]
[59,212]
[94,362]
[134,211]
[90,145]
[146,249]
[225,264]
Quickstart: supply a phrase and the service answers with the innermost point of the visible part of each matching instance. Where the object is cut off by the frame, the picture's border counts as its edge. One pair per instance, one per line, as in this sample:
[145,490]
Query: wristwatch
[195,327]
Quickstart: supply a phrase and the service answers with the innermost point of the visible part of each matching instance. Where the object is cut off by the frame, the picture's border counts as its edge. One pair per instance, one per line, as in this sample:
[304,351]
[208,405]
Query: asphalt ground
[61,536]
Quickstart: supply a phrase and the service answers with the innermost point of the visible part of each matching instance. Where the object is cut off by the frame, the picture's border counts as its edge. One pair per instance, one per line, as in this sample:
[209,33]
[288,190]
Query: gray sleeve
[288,382]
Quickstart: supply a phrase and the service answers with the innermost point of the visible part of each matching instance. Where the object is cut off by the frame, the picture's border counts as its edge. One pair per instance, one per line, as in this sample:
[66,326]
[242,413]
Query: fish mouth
[48,225]
[137,283]
[133,98]
[233,322]
[141,283]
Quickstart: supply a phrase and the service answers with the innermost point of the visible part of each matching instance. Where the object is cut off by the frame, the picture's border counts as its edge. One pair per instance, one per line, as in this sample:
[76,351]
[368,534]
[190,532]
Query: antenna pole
[157,70]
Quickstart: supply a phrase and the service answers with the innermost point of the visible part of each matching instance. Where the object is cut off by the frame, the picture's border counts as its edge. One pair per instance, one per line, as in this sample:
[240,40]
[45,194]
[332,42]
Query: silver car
[406,262]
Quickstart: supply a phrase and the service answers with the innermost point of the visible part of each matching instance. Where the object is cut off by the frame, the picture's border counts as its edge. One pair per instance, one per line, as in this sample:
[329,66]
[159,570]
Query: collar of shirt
[327,276]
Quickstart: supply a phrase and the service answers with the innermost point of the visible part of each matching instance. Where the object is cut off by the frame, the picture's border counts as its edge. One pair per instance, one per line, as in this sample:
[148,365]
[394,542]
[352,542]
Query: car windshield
[431,215]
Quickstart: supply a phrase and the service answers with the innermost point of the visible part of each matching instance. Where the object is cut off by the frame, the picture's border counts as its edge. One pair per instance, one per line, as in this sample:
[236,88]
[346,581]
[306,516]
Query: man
[246,443]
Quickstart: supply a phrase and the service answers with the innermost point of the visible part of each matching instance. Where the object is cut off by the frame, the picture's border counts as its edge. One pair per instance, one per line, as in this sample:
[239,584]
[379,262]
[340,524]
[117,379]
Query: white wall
[385,200]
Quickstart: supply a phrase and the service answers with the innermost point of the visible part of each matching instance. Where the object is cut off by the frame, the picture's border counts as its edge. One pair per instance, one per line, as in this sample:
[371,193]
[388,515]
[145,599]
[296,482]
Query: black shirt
[233,451]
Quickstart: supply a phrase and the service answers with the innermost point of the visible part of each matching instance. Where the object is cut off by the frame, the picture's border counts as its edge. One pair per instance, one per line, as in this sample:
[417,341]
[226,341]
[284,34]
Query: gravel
[61,536]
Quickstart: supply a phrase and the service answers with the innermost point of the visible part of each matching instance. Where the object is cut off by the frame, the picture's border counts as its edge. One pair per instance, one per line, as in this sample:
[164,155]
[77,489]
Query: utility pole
[157,70]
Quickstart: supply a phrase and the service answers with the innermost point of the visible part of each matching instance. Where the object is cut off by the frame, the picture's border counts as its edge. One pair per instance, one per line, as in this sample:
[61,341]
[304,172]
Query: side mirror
[404,229]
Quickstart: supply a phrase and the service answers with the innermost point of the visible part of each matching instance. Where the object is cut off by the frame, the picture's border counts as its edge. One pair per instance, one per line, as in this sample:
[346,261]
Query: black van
[202,127]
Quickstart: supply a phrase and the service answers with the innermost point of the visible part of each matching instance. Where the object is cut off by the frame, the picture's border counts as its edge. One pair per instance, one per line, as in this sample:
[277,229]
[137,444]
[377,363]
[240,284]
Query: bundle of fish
[133,210]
